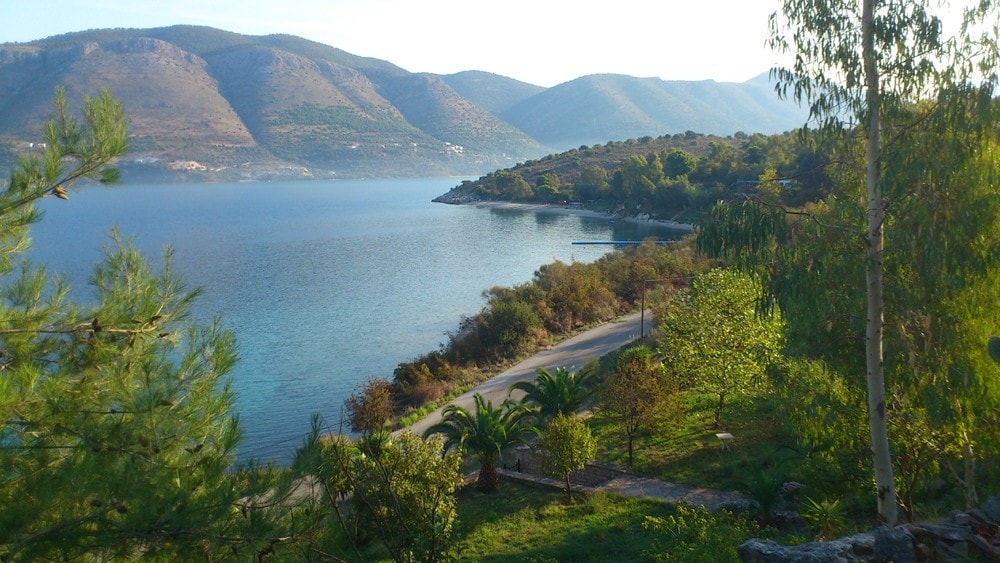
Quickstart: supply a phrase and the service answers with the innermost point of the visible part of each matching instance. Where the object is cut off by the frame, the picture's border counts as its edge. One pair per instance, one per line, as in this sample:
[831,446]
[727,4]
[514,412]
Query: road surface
[572,354]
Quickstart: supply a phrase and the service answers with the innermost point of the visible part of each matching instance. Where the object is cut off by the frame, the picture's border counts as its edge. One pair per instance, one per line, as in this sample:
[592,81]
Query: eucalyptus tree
[562,393]
[115,417]
[877,74]
[484,433]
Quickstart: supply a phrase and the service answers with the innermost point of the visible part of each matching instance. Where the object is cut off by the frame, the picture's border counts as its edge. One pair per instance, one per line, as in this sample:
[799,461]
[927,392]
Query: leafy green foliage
[827,422]
[694,532]
[401,490]
[408,489]
[568,445]
[638,395]
[828,517]
[674,177]
[907,86]
[510,328]
[563,393]
[504,185]
[486,433]
[717,339]
[370,409]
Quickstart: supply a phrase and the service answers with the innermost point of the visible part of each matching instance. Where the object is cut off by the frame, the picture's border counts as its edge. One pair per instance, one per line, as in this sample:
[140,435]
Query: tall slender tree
[873,74]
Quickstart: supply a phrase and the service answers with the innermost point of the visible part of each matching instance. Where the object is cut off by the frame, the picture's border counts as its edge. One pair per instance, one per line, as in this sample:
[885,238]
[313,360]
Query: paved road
[572,354]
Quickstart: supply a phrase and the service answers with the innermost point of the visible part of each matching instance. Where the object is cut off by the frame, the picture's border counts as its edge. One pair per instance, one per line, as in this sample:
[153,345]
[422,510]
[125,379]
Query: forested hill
[675,177]
[207,102]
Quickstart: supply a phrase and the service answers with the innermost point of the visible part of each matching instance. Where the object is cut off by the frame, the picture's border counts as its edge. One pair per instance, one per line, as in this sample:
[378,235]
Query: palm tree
[486,433]
[563,393]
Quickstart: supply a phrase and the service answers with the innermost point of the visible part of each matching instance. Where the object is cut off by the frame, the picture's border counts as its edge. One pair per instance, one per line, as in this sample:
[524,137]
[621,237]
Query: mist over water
[325,284]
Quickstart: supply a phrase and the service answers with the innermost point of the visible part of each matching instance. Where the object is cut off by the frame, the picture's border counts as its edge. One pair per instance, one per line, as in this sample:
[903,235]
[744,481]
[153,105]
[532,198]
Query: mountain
[492,92]
[215,104]
[593,109]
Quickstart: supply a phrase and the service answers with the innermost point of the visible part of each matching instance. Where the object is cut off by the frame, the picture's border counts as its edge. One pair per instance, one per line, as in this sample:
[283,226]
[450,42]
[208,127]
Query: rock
[791,488]
[965,535]
[984,546]
[788,520]
[895,544]
[958,551]
[991,508]
[947,532]
[853,548]
[758,551]
[979,516]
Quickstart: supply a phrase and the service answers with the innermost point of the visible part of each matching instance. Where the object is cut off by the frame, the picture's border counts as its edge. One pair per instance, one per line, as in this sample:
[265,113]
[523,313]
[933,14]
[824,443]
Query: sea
[324,283]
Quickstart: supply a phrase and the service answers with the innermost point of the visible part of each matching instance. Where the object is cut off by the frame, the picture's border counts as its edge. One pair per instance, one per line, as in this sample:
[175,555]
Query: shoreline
[579,212]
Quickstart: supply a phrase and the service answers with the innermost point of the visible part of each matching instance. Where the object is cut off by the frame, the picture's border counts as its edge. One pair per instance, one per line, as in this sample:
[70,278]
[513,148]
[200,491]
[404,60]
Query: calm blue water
[325,284]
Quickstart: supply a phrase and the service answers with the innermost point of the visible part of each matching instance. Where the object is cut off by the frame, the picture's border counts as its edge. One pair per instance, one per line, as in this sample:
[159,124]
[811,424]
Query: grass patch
[524,523]
[690,453]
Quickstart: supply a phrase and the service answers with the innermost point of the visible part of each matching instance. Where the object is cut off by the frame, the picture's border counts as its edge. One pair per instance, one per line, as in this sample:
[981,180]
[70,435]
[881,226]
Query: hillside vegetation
[673,177]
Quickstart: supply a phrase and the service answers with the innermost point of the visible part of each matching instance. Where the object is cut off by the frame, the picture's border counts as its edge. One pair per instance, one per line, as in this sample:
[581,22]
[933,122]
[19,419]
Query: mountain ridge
[213,104]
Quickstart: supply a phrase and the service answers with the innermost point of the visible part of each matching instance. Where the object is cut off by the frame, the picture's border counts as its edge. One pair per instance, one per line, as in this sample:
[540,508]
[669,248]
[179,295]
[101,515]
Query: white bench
[724,437]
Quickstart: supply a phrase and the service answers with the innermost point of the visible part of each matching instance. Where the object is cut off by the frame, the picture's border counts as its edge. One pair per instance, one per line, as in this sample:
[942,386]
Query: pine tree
[115,424]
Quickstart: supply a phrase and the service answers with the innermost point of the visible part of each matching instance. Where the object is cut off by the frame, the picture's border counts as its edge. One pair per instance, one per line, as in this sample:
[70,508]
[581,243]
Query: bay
[325,284]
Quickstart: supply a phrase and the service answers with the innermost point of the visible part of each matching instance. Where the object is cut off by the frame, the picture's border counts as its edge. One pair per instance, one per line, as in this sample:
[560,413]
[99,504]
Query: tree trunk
[718,409]
[569,489]
[630,441]
[489,478]
[969,482]
[881,458]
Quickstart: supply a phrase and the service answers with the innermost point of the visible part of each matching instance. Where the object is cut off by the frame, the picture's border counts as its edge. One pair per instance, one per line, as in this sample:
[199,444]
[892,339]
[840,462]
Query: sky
[542,42]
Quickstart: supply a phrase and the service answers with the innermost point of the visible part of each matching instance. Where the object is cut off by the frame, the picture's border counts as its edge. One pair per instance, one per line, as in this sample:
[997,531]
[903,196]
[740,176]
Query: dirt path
[628,485]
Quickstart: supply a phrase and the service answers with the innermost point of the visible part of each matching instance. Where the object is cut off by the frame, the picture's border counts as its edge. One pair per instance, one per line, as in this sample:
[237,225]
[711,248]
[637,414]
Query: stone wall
[529,460]
[965,536]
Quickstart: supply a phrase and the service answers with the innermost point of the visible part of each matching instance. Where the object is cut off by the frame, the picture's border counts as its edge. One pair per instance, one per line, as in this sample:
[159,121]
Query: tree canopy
[484,433]
[886,84]
[115,417]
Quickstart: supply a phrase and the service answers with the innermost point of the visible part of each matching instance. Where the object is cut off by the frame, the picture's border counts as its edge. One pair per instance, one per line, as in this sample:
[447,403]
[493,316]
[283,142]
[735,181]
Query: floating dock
[621,242]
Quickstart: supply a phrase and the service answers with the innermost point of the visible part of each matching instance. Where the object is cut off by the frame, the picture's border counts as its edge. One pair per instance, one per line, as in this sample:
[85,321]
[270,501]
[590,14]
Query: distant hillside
[492,92]
[602,107]
[215,104]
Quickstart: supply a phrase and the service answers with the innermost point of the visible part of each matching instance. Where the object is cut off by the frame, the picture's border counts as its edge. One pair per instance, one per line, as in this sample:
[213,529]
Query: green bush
[694,533]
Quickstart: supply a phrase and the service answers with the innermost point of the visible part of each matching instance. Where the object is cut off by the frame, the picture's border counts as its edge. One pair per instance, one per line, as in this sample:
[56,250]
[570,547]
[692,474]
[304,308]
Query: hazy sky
[544,42]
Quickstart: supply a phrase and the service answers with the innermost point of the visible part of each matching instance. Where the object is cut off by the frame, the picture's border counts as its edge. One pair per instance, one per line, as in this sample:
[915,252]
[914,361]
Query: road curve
[572,354]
